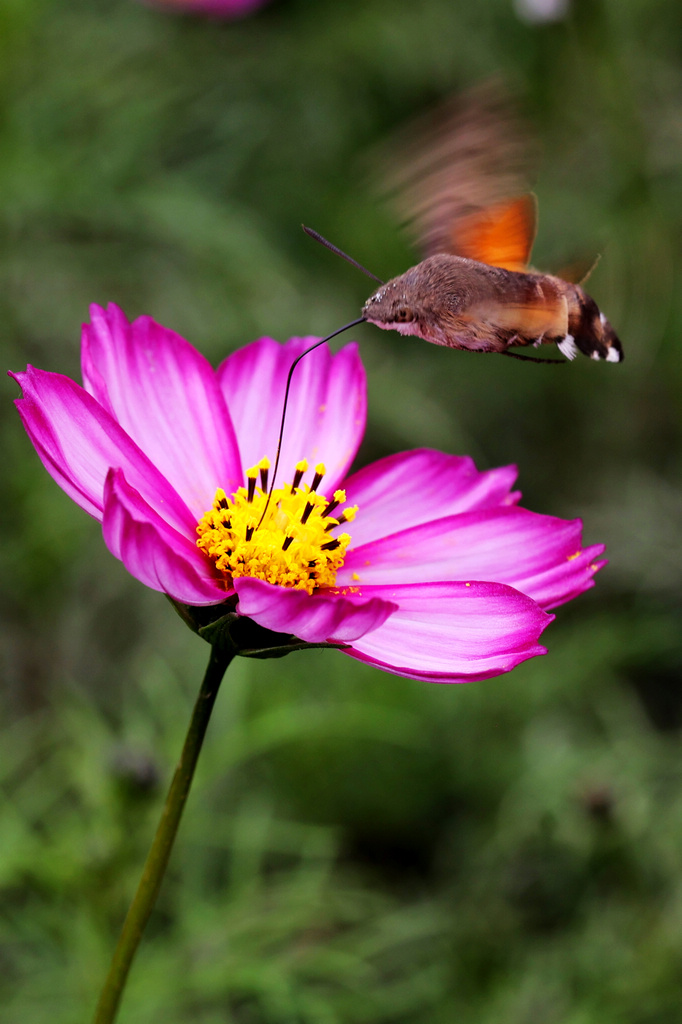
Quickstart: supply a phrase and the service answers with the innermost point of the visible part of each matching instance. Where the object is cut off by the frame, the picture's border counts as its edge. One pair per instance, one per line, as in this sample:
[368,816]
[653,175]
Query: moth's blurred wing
[501,235]
[472,155]
[579,271]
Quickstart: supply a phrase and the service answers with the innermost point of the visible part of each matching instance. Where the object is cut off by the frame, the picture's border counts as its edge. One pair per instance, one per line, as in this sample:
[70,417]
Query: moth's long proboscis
[293,366]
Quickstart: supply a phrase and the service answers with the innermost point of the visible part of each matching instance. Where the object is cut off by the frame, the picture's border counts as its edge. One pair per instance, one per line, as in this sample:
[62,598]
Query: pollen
[295,544]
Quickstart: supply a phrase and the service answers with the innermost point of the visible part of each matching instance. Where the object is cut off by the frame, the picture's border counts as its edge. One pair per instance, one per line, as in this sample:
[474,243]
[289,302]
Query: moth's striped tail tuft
[589,332]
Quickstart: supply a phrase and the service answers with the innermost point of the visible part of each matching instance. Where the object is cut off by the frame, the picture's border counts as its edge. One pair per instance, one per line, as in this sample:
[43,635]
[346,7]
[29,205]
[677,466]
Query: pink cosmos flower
[419,563]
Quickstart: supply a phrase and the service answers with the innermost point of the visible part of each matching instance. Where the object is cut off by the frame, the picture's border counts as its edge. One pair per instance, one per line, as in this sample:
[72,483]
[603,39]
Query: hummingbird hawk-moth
[491,300]
[460,183]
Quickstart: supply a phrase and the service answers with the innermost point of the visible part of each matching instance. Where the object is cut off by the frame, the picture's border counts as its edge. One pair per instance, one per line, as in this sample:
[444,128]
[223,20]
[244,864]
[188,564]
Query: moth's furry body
[462,303]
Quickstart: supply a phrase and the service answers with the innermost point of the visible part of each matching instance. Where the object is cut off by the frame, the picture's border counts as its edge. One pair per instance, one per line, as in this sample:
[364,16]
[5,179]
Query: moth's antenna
[293,366]
[339,252]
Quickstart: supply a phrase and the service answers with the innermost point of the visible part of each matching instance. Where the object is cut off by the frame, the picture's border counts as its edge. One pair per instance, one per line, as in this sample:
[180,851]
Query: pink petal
[166,397]
[78,442]
[152,551]
[453,632]
[326,410]
[539,555]
[325,616]
[410,488]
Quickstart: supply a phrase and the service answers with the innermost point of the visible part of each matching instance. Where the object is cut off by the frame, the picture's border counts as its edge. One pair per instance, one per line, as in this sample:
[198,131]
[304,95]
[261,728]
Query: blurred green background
[358,848]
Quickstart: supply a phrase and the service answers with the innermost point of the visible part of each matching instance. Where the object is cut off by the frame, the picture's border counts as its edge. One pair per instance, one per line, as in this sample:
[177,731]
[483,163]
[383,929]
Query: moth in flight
[460,183]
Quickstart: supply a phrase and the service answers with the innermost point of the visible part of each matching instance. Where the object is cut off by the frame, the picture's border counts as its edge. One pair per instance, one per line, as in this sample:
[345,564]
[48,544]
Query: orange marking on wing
[500,235]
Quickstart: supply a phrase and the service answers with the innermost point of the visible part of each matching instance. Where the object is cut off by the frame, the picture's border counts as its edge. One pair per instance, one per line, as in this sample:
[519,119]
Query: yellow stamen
[301,468]
[319,473]
[291,547]
[264,467]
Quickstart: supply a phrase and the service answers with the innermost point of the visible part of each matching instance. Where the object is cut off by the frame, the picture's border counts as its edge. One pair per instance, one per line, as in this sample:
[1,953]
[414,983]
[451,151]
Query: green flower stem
[159,854]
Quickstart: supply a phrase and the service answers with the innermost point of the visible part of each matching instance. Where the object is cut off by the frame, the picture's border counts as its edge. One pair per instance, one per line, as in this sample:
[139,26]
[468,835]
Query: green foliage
[359,849]
[356,848]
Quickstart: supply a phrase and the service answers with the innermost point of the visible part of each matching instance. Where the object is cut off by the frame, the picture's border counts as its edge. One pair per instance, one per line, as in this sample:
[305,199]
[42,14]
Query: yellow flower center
[293,545]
